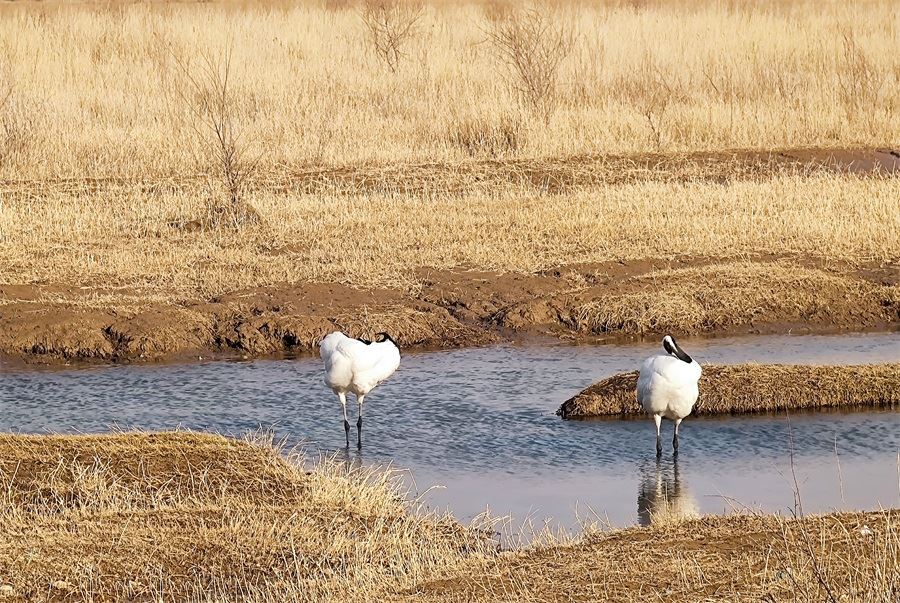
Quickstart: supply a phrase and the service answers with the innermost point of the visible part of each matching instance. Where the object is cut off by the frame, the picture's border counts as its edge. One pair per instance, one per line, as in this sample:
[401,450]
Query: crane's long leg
[359,400]
[658,420]
[343,398]
[675,439]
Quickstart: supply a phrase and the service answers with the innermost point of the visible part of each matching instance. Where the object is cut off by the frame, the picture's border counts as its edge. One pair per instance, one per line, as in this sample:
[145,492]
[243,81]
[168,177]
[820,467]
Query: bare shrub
[208,94]
[479,136]
[657,94]
[391,24]
[532,44]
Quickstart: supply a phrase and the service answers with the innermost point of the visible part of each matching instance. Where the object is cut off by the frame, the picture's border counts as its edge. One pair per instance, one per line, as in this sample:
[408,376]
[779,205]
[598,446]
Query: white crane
[356,366]
[668,387]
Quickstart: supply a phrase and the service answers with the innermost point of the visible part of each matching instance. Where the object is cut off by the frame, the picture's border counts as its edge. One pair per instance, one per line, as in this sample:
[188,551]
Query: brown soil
[751,388]
[463,308]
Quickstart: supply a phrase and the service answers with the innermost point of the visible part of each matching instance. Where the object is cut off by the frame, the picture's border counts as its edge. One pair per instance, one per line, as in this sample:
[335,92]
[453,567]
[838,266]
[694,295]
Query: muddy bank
[750,388]
[463,308]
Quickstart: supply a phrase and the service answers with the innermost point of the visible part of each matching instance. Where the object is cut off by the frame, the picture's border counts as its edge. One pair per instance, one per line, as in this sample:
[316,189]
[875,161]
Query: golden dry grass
[118,129]
[728,294]
[190,516]
[840,557]
[98,89]
[753,388]
[122,242]
[198,517]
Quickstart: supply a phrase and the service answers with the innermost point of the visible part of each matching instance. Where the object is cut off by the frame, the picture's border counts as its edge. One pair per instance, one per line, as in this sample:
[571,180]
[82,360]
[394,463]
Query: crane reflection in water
[663,497]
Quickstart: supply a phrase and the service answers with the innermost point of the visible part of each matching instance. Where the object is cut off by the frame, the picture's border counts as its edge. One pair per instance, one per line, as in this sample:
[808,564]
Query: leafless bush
[657,97]
[391,24]
[532,44]
[208,95]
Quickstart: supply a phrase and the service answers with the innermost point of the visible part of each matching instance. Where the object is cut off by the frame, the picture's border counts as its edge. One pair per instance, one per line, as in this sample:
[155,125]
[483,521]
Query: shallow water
[480,422]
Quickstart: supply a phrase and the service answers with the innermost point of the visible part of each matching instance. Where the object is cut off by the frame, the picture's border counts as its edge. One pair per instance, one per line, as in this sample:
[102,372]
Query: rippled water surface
[481,424]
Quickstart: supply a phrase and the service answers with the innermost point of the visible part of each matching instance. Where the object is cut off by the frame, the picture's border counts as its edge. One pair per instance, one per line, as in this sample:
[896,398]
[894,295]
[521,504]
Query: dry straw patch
[91,83]
[130,240]
[710,298]
[202,517]
[752,388]
[840,557]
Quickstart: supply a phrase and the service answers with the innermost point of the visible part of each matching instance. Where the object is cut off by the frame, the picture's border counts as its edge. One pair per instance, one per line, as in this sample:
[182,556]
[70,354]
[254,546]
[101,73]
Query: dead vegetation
[391,25]
[838,557]
[206,89]
[532,43]
[751,388]
[717,297]
[202,517]
[247,148]
[304,81]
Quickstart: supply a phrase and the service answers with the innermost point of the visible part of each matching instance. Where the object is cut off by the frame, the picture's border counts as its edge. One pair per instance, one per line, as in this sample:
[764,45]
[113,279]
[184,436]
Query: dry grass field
[751,388]
[190,168]
[108,89]
[196,517]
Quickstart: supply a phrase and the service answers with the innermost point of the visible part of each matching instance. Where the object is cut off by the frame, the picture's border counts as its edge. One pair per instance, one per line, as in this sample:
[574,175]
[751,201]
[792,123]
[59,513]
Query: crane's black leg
[359,400]
[675,438]
[658,420]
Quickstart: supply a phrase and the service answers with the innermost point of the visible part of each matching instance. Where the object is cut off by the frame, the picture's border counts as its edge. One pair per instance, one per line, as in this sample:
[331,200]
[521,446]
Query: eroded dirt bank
[462,308]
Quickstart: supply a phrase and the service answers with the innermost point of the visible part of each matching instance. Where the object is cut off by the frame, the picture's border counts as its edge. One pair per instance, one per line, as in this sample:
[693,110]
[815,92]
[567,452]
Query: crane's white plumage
[356,366]
[667,387]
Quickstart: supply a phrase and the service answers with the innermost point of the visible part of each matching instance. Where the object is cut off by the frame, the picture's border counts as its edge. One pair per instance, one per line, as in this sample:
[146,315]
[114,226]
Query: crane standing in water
[668,387]
[356,366]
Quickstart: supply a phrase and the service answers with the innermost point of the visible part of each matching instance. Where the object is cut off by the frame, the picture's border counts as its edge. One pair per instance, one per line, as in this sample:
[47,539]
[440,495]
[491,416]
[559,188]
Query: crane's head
[672,348]
[669,344]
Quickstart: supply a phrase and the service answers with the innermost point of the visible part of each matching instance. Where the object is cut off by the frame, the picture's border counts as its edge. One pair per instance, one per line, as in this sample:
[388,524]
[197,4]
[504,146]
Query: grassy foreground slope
[196,517]
[179,516]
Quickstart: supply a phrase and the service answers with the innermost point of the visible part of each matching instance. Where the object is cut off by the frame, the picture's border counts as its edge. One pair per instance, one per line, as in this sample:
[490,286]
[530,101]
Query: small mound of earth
[750,388]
